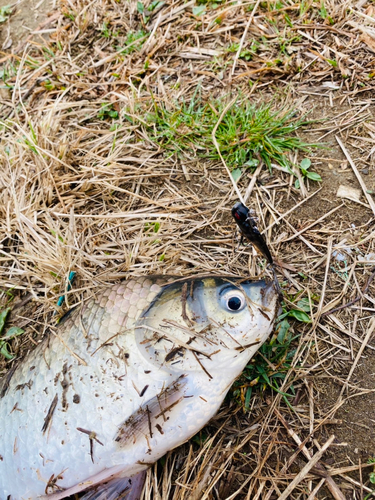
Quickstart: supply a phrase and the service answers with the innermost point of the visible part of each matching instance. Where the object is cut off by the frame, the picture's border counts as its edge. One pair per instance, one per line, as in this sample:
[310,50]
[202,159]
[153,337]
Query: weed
[107,32]
[304,167]
[152,227]
[371,477]
[5,12]
[7,292]
[70,15]
[32,63]
[48,85]
[288,20]
[245,133]
[7,72]
[156,4]
[48,53]
[285,43]
[200,438]
[246,54]
[133,42]
[332,62]
[324,14]
[199,10]
[12,332]
[30,144]
[212,3]
[323,11]
[299,313]
[269,366]
[304,7]
[55,234]
[107,111]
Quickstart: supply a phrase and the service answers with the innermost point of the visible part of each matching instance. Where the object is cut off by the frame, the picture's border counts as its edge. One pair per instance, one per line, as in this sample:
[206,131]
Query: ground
[108,170]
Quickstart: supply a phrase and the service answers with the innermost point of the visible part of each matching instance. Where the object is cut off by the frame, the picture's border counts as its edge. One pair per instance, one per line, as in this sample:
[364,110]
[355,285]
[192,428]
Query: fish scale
[129,375]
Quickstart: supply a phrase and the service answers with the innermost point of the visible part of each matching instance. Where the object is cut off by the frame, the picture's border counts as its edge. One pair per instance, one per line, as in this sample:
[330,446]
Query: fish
[248,228]
[134,371]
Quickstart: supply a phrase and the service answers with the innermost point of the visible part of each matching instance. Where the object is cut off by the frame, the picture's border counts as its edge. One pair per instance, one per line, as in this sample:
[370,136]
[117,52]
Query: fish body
[132,373]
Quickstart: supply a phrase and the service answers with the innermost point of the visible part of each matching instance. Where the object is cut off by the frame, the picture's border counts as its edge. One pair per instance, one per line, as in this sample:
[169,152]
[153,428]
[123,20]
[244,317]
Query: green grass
[371,477]
[5,12]
[107,111]
[245,132]
[134,42]
[304,168]
[12,332]
[268,368]
[107,32]
[246,54]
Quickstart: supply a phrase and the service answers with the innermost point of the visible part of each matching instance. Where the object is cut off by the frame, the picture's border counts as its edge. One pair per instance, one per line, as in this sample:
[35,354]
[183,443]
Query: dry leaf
[349,193]
[369,41]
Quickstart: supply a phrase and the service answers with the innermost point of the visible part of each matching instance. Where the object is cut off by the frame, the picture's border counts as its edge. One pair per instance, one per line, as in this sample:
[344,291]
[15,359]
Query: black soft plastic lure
[249,229]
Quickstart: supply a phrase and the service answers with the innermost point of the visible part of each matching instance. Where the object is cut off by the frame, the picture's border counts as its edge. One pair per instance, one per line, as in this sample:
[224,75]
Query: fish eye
[233,300]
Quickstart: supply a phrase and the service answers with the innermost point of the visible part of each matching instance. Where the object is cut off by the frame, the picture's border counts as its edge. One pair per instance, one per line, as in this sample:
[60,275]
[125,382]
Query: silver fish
[129,375]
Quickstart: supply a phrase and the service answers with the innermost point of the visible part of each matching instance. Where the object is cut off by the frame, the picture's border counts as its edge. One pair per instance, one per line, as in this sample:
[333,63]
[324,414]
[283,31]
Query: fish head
[207,322]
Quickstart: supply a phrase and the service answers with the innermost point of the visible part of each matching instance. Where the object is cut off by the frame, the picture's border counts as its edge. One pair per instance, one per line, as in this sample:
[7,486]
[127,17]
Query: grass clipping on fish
[109,170]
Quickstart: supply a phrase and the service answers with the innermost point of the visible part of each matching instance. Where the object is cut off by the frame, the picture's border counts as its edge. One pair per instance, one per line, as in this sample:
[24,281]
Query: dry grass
[87,187]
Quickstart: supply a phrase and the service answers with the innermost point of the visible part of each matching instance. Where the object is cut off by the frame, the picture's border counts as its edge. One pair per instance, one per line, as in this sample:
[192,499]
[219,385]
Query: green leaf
[313,176]
[304,304]
[323,11]
[300,316]
[12,332]
[5,12]
[4,350]
[248,397]
[288,21]
[297,184]
[154,5]
[305,163]
[3,317]
[236,174]
[282,330]
[282,316]
[252,163]
[54,234]
[199,11]
[263,372]
[140,7]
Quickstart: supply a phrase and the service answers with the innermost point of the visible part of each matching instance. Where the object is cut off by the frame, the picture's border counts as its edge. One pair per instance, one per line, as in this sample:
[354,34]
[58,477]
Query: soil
[25,18]
[356,431]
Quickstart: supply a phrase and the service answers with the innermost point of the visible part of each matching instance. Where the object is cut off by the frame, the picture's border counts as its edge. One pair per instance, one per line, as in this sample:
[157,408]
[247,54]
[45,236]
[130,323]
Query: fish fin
[149,419]
[118,489]
[101,477]
[151,416]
